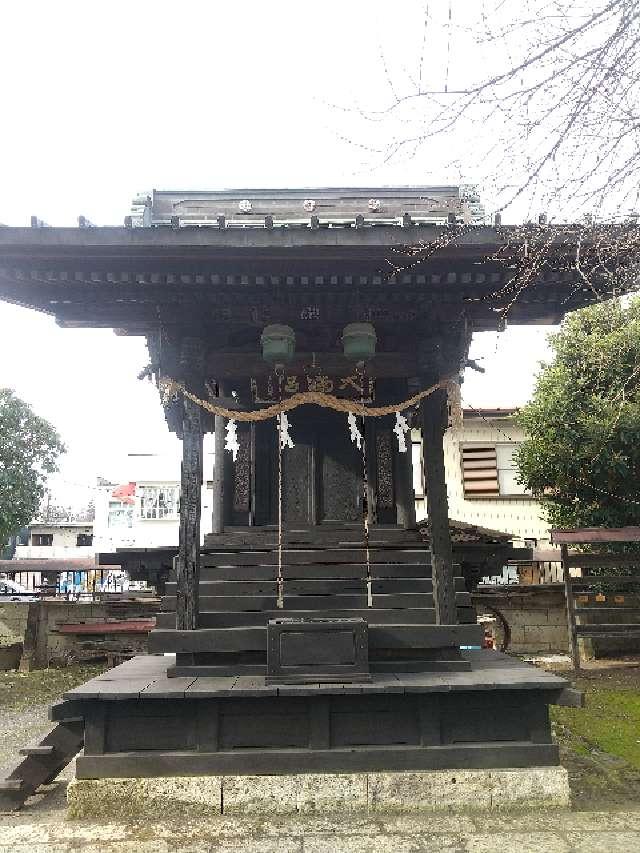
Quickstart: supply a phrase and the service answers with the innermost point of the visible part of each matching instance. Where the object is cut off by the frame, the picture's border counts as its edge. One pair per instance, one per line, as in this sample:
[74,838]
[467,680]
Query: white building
[57,540]
[481,477]
[142,510]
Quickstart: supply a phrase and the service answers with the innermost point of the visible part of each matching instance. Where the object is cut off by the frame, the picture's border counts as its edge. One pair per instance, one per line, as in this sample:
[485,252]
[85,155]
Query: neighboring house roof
[125,493]
[463,532]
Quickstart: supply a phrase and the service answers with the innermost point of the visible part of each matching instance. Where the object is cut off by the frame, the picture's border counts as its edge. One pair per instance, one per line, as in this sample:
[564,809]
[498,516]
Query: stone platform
[320,793]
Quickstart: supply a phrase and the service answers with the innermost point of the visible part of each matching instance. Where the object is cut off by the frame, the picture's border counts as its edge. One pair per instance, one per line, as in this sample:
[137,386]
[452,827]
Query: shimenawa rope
[170,387]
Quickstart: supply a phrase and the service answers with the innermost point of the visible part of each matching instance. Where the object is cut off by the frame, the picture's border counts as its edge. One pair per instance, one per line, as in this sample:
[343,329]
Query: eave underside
[137,281]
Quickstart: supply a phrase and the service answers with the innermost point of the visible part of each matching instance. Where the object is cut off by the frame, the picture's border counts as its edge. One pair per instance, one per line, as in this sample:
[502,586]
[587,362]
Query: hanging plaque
[265,389]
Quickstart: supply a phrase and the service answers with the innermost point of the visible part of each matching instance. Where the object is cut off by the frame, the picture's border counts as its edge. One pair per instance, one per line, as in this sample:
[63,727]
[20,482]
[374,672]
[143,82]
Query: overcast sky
[101,101]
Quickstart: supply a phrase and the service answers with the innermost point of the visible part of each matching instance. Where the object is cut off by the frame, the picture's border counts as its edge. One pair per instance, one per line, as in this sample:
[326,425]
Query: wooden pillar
[372,477]
[188,560]
[218,475]
[434,424]
[406,501]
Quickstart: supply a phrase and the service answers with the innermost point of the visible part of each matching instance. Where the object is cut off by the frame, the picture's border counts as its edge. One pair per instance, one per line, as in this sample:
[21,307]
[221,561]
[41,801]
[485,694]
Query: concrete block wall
[46,645]
[13,621]
[536,616]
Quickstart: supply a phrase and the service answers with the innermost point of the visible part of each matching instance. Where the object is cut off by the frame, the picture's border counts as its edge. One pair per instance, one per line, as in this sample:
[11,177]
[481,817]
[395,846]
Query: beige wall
[520,516]
[64,543]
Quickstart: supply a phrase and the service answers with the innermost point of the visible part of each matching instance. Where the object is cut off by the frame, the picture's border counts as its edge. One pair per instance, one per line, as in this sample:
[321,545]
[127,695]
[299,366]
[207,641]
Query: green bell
[278,343]
[359,341]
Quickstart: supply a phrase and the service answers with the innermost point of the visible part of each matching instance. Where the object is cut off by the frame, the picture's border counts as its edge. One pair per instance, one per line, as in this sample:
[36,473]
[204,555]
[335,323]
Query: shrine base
[320,793]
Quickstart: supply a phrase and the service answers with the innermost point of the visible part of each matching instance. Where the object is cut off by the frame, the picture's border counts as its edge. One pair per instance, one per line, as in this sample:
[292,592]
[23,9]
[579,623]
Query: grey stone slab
[311,793]
[519,842]
[558,821]
[604,842]
[139,798]
[414,843]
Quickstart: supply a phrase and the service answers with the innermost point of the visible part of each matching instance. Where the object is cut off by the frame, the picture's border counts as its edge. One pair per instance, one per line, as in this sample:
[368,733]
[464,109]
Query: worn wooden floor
[145,678]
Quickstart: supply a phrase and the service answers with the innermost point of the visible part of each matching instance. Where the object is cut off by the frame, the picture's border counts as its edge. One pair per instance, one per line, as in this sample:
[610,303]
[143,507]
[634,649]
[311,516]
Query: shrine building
[309,330]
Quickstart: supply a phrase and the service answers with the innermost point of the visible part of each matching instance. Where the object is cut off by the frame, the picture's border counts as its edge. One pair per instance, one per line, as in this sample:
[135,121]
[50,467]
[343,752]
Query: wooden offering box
[301,651]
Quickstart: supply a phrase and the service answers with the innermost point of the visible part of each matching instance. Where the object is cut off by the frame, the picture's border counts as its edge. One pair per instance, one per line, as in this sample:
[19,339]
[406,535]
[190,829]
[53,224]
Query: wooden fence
[578,589]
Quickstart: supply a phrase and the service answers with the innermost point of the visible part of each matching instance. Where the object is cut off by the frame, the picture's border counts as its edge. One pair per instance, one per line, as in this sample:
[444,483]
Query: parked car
[12,591]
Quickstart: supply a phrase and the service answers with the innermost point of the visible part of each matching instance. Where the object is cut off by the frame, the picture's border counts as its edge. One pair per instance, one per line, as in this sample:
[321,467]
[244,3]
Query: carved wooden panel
[341,478]
[384,468]
[242,473]
[296,484]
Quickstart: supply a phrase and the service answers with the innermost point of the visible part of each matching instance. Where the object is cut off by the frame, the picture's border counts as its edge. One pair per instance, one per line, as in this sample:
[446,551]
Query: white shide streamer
[356,435]
[401,428]
[285,437]
[231,442]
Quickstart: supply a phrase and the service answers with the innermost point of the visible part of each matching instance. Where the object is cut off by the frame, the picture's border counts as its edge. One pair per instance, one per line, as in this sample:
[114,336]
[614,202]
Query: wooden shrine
[312,631]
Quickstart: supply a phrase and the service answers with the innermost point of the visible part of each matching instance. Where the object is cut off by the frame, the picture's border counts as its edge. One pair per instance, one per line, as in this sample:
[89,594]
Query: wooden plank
[208,726]
[253,685]
[424,637]
[255,639]
[214,586]
[596,609]
[570,608]
[236,604]
[330,571]
[235,587]
[237,573]
[590,535]
[95,731]
[429,710]
[319,724]
[230,603]
[569,697]
[66,710]
[299,557]
[167,688]
[43,751]
[281,761]
[123,626]
[202,687]
[425,616]
[630,630]
[41,763]
[604,580]
[209,640]
[584,561]
[217,671]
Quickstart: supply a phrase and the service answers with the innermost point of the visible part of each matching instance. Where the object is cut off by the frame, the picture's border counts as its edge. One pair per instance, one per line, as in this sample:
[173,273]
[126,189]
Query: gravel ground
[19,728]
[564,832]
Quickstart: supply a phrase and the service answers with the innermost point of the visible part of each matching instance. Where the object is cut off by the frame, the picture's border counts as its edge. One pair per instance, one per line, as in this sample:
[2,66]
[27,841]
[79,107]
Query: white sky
[101,101]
